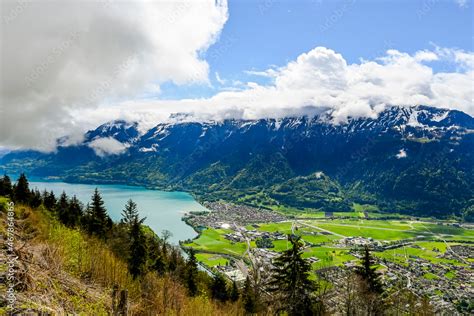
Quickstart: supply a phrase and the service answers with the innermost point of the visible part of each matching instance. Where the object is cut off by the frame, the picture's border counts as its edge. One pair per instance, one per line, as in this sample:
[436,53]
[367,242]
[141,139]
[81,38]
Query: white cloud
[107,146]
[59,56]
[401,154]
[319,80]
[219,79]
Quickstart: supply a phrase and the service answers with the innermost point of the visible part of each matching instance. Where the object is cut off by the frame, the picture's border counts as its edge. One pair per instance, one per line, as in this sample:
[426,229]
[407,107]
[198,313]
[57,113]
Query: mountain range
[417,160]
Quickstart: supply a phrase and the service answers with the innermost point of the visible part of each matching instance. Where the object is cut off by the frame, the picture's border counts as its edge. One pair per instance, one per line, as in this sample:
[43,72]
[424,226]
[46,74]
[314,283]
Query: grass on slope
[69,272]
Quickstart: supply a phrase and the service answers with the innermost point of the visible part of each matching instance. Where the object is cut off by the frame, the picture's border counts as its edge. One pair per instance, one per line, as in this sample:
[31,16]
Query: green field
[328,256]
[428,240]
[389,230]
[212,240]
[211,260]
[425,250]
[318,239]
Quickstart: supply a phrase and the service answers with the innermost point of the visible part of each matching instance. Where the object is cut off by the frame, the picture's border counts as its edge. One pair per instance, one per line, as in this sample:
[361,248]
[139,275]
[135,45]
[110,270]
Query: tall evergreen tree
[158,264]
[74,212]
[138,250]
[291,280]
[97,222]
[191,273]
[35,200]
[6,188]
[130,213]
[234,292]
[21,191]
[248,297]
[62,208]
[49,200]
[219,288]
[367,272]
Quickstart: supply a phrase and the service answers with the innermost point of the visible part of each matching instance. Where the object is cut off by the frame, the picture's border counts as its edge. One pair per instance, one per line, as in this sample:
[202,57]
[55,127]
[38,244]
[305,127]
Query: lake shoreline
[173,205]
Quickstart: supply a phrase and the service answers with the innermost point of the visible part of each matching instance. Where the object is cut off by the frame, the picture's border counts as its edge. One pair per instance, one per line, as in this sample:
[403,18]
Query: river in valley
[163,210]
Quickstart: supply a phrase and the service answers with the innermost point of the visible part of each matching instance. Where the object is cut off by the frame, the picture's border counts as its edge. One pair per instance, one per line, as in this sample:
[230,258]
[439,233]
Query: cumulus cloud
[107,146]
[62,56]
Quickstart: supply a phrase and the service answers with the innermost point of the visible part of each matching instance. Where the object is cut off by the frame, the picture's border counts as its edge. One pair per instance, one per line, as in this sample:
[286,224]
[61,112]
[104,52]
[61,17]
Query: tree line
[288,287]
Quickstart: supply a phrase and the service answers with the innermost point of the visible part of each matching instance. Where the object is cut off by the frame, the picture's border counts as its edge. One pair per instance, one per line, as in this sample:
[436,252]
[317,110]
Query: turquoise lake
[163,210]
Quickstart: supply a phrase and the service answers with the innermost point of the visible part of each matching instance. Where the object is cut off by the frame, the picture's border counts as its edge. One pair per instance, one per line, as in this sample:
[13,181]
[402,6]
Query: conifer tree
[173,259]
[138,250]
[35,200]
[291,280]
[62,207]
[155,256]
[49,200]
[74,212]
[367,272]
[130,213]
[6,186]
[191,273]
[21,191]
[98,222]
[234,292]
[248,297]
[159,264]
[219,288]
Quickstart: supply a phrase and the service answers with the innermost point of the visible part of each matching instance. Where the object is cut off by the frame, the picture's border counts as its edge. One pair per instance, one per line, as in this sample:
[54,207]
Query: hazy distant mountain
[410,159]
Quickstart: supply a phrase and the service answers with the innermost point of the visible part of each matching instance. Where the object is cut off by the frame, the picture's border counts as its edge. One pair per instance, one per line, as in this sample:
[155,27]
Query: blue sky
[264,33]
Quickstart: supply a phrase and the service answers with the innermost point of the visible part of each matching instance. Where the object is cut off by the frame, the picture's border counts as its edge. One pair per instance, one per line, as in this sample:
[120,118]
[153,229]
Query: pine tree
[21,191]
[191,273]
[156,258]
[138,250]
[367,272]
[35,200]
[98,222]
[219,288]
[49,200]
[173,259]
[248,297]
[291,280]
[74,212]
[62,208]
[6,186]
[159,264]
[130,213]
[234,292]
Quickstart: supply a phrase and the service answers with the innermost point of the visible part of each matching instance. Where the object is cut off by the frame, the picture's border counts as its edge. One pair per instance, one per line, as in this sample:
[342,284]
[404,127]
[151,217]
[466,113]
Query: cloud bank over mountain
[322,79]
[68,67]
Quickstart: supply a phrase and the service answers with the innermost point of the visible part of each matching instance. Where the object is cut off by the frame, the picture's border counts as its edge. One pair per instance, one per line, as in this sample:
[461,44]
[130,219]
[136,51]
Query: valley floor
[431,258]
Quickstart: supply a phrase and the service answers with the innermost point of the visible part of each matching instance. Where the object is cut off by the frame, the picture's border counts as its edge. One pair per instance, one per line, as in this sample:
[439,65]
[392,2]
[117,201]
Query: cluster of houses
[241,235]
[359,241]
[232,272]
[226,214]
[445,283]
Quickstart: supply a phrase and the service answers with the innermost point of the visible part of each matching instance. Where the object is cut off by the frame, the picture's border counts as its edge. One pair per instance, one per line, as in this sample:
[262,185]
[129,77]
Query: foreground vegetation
[72,262]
